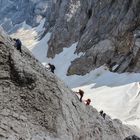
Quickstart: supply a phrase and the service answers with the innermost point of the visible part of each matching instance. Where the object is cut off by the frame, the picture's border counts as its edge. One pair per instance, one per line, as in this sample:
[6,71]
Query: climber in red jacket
[88,101]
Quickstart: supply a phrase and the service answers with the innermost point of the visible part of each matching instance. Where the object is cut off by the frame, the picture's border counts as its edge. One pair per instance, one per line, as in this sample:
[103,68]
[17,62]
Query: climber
[51,67]
[101,112]
[18,44]
[104,114]
[88,101]
[81,93]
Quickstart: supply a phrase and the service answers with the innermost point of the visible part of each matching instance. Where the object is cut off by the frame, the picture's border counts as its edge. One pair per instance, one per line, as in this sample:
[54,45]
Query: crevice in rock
[128,4]
[74,105]
[13,130]
[2,136]
[82,30]
[89,13]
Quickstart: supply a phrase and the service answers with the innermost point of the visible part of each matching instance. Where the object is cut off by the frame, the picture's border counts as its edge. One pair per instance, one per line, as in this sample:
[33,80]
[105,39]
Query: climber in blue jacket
[18,44]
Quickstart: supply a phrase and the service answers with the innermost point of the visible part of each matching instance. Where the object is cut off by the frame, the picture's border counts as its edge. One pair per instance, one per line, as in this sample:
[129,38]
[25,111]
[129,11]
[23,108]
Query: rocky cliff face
[14,12]
[107,32]
[36,105]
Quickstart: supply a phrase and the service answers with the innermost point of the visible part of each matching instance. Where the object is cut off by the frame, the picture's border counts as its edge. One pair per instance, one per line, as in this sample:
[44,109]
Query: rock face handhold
[132,138]
[36,105]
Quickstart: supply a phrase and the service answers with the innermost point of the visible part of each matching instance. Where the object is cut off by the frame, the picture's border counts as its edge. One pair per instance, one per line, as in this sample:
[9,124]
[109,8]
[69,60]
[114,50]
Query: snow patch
[40,49]
[27,34]
[63,60]
[40,27]
[117,94]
